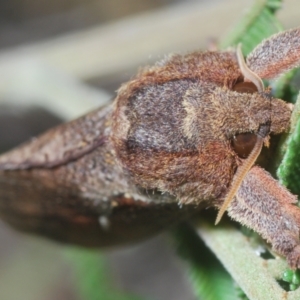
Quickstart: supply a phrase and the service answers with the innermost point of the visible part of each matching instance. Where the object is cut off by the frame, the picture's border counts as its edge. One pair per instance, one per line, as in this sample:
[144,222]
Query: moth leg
[243,170]
[262,204]
[276,55]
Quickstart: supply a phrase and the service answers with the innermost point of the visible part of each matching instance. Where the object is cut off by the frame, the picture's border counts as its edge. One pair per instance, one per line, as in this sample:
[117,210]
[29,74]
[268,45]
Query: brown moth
[182,135]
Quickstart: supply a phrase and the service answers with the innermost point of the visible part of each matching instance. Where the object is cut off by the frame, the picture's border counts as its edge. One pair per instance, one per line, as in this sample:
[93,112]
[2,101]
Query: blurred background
[61,58]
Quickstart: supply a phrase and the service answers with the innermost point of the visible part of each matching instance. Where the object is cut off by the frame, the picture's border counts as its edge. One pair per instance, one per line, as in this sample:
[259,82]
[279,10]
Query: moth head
[279,110]
[250,144]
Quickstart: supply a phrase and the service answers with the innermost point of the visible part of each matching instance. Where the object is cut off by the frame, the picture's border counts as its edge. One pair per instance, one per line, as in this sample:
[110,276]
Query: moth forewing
[67,185]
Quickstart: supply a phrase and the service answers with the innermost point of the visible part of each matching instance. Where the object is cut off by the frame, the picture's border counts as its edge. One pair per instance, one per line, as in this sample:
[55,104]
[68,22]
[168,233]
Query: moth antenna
[247,73]
[243,170]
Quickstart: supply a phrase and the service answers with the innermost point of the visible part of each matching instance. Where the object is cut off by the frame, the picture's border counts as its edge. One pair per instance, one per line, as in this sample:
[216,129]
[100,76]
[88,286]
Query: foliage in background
[288,171]
[209,278]
[92,276]
[257,24]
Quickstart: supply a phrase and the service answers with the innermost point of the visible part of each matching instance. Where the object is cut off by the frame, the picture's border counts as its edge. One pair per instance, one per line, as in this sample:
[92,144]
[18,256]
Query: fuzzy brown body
[80,194]
[160,153]
[173,125]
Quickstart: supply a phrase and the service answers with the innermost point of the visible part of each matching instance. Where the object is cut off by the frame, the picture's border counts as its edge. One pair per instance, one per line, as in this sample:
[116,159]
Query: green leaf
[289,169]
[209,278]
[92,276]
[257,24]
[288,276]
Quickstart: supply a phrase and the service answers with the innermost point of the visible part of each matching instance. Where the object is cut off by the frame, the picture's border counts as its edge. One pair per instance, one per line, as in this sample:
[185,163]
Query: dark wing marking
[62,144]
[31,201]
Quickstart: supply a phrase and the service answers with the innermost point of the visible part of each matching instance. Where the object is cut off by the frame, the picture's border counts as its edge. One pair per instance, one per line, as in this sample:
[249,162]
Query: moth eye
[243,143]
[245,87]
